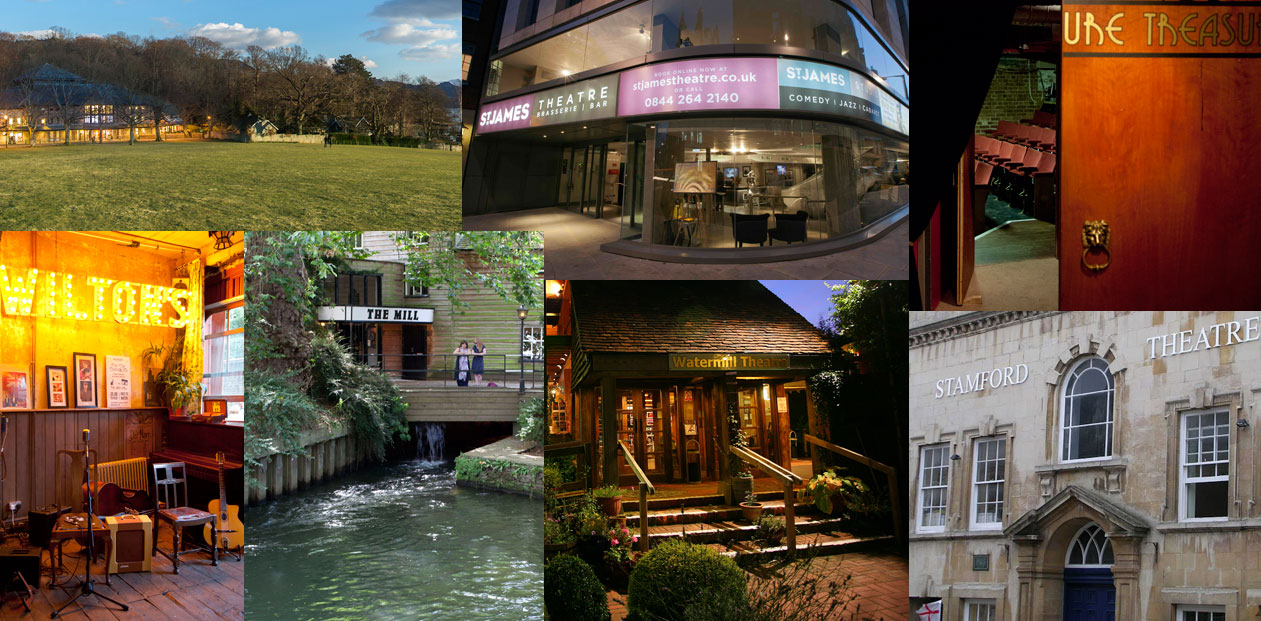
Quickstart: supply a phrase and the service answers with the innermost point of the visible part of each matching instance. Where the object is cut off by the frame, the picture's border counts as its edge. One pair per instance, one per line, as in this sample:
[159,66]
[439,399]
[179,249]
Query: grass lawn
[227,185]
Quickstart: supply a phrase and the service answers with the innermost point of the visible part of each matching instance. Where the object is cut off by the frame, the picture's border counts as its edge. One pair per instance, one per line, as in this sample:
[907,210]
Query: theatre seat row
[1028,135]
[1045,119]
[1017,158]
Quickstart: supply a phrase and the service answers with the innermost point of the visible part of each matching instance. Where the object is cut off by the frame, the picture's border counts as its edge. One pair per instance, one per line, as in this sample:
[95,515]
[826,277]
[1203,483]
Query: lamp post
[521,312]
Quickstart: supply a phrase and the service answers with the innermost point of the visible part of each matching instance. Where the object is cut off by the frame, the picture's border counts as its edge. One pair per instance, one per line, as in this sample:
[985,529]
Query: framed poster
[15,389]
[117,382]
[57,382]
[696,177]
[85,381]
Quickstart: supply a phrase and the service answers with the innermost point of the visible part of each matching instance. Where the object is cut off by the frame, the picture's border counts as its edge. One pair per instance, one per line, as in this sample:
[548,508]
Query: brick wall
[1012,95]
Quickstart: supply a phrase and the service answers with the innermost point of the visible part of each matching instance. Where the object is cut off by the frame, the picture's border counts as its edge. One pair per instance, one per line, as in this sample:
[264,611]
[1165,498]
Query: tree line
[215,86]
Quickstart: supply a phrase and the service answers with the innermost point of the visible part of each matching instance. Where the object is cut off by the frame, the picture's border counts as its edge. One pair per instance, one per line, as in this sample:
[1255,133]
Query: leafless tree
[305,83]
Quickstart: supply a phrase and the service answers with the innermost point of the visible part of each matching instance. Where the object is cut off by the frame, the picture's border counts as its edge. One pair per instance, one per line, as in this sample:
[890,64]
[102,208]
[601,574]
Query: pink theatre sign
[702,84]
[507,114]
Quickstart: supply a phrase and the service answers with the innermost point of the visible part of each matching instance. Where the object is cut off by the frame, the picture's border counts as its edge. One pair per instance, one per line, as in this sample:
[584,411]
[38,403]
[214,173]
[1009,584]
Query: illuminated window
[1086,415]
[989,461]
[934,472]
[224,358]
[1205,465]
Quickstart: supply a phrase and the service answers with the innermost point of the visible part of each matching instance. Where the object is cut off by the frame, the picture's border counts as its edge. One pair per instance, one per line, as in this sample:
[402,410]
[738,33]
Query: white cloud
[167,23]
[409,34]
[416,11]
[93,35]
[431,51]
[239,37]
[37,34]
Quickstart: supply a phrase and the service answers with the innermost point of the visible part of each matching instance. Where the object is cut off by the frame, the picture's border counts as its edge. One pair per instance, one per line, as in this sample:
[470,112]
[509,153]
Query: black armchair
[790,228]
[749,229]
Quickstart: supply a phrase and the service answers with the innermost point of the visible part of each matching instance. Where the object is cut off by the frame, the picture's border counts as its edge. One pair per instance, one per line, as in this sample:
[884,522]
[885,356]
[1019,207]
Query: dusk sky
[416,37]
[810,298]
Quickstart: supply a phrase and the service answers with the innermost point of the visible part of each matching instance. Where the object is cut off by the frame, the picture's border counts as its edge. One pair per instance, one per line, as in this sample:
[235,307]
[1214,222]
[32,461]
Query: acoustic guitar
[231,530]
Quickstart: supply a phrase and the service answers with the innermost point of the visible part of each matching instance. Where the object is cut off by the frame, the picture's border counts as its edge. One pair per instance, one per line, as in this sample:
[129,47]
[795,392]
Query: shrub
[608,491]
[676,575]
[571,591]
[770,530]
[363,395]
[530,419]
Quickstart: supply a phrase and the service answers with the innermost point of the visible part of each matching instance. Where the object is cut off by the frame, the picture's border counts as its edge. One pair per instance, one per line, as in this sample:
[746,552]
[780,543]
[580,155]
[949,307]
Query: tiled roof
[703,316]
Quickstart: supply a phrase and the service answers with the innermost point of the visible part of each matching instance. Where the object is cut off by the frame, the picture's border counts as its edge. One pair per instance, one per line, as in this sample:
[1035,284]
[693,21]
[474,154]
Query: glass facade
[777,180]
[661,25]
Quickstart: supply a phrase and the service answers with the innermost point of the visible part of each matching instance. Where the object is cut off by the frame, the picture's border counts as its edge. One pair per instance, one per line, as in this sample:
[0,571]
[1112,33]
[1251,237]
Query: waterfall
[430,442]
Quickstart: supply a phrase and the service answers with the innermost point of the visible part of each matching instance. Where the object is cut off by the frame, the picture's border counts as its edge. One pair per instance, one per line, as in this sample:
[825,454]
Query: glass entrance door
[641,424]
[614,184]
[570,190]
[592,182]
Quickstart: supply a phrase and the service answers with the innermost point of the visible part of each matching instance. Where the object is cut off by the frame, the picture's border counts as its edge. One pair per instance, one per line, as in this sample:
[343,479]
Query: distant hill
[451,89]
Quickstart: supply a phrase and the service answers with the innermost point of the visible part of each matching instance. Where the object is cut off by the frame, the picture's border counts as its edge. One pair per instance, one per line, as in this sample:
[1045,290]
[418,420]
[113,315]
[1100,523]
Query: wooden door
[1160,141]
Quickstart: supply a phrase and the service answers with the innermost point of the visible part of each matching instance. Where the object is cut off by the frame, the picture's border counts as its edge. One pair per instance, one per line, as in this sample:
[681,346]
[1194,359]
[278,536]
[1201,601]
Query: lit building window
[1205,465]
[988,465]
[224,358]
[979,610]
[1086,415]
[934,469]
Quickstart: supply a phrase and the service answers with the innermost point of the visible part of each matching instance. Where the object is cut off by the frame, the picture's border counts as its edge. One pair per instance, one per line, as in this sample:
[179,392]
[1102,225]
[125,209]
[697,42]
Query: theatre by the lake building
[1081,466]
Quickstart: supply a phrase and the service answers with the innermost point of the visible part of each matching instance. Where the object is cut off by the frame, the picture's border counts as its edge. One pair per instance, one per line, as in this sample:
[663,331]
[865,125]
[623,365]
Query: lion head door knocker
[1095,238]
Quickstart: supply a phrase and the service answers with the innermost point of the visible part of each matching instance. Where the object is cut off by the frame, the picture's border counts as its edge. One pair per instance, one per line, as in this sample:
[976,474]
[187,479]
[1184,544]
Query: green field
[227,185]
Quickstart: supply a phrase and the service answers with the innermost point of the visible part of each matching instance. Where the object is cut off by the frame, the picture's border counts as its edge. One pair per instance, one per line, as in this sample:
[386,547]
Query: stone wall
[1015,93]
[1174,562]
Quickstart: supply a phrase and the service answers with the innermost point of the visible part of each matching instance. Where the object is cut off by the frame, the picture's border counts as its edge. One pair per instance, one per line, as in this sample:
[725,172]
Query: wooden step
[630,505]
[817,544]
[725,531]
[707,513]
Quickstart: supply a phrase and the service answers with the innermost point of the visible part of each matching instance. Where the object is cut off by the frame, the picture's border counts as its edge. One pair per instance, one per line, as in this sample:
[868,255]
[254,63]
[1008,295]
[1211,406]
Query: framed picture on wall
[56,384]
[15,389]
[85,392]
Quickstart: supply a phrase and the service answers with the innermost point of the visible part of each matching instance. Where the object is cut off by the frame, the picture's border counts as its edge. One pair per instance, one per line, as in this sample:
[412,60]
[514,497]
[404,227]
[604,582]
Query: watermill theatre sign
[993,378]
[374,314]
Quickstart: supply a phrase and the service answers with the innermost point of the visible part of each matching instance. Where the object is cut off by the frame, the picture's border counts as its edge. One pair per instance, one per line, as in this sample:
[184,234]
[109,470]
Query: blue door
[1089,594]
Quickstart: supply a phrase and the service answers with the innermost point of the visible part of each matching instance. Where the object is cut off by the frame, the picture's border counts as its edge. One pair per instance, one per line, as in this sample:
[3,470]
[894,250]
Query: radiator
[126,473]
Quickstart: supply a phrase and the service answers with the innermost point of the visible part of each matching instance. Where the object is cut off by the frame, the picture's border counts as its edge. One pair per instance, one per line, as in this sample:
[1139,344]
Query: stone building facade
[1094,465]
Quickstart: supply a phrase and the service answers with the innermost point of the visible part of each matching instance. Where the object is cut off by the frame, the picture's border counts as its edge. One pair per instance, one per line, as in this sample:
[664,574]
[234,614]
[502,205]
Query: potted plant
[751,508]
[770,530]
[178,389]
[830,492]
[557,537]
[610,499]
[619,559]
[590,526]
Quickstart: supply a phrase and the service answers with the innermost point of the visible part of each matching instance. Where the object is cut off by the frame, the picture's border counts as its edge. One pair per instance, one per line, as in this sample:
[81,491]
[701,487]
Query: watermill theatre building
[1086,466]
[698,128]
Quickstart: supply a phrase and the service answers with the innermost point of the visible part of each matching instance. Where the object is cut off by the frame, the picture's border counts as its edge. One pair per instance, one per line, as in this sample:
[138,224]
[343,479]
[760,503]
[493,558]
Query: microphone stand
[87,587]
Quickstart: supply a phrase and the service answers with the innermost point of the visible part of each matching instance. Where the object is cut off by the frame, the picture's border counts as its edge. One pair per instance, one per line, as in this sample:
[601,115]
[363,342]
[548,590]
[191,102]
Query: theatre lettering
[728,362]
[1216,335]
[1182,27]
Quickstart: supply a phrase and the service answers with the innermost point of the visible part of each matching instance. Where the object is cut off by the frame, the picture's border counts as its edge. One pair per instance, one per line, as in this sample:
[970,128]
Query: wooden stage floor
[200,591]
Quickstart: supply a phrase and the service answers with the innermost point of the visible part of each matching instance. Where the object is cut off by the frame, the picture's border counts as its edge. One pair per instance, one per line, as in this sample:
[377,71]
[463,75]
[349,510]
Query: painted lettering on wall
[995,378]
[1160,29]
[728,362]
[1216,335]
[32,293]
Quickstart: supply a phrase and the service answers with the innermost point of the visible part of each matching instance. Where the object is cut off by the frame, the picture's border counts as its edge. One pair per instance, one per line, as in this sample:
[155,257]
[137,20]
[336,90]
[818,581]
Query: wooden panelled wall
[35,437]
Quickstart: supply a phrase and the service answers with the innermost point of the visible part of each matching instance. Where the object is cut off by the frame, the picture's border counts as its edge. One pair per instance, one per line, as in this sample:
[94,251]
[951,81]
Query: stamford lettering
[996,378]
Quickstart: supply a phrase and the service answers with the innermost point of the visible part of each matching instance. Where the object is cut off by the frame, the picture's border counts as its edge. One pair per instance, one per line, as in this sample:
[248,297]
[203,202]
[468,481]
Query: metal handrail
[788,479]
[645,488]
[442,367]
[890,473]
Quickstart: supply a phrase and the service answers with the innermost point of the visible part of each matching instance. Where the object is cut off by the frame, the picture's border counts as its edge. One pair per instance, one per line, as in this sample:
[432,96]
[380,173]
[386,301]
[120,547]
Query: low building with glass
[1083,466]
[777,129]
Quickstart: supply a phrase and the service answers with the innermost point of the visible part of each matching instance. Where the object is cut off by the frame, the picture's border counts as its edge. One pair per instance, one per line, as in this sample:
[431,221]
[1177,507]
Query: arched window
[1086,413]
[1090,548]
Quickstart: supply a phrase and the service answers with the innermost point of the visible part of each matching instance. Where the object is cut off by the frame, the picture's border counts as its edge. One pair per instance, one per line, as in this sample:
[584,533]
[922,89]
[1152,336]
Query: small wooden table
[66,529]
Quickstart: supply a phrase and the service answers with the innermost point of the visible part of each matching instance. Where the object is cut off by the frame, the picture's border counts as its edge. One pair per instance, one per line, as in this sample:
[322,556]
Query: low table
[67,529]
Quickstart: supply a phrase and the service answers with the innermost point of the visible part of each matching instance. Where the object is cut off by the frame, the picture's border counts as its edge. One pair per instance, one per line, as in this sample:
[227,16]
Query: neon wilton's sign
[31,293]
[996,378]
[1216,335]
[1161,30]
[728,362]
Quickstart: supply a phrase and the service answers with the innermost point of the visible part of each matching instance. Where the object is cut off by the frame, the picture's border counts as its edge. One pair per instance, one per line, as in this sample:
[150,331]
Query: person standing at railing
[479,366]
[462,363]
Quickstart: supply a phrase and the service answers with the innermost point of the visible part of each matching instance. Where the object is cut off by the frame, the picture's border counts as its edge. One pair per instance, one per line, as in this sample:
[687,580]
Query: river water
[395,542]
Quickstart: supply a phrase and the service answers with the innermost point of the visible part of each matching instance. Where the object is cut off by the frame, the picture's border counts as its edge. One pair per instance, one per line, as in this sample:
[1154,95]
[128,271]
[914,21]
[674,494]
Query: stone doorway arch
[1042,538]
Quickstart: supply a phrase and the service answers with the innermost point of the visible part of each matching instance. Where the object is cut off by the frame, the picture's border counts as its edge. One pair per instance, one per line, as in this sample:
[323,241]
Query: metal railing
[508,371]
[785,477]
[645,488]
[887,470]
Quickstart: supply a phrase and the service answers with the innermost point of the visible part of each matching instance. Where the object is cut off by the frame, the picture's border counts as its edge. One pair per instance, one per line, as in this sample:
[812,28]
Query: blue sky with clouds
[811,299]
[416,37]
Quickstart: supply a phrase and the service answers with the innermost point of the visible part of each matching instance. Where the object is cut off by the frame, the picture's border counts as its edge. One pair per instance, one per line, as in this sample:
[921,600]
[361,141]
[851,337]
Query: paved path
[573,252]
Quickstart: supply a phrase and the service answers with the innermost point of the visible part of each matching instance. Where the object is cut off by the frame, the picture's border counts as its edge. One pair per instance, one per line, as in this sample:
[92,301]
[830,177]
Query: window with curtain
[223,347]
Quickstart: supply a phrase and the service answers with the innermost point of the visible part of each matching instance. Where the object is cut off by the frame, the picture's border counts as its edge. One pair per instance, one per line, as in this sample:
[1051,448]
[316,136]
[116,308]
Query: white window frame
[358,241]
[1197,608]
[414,291]
[972,606]
[1185,481]
[1072,544]
[532,343]
[977,483]
[920,527]
[1110,429]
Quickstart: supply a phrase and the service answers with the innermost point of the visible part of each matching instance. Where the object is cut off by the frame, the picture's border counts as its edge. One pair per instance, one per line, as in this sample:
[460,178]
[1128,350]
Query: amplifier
[133,543]
[41,521]
[23,560]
